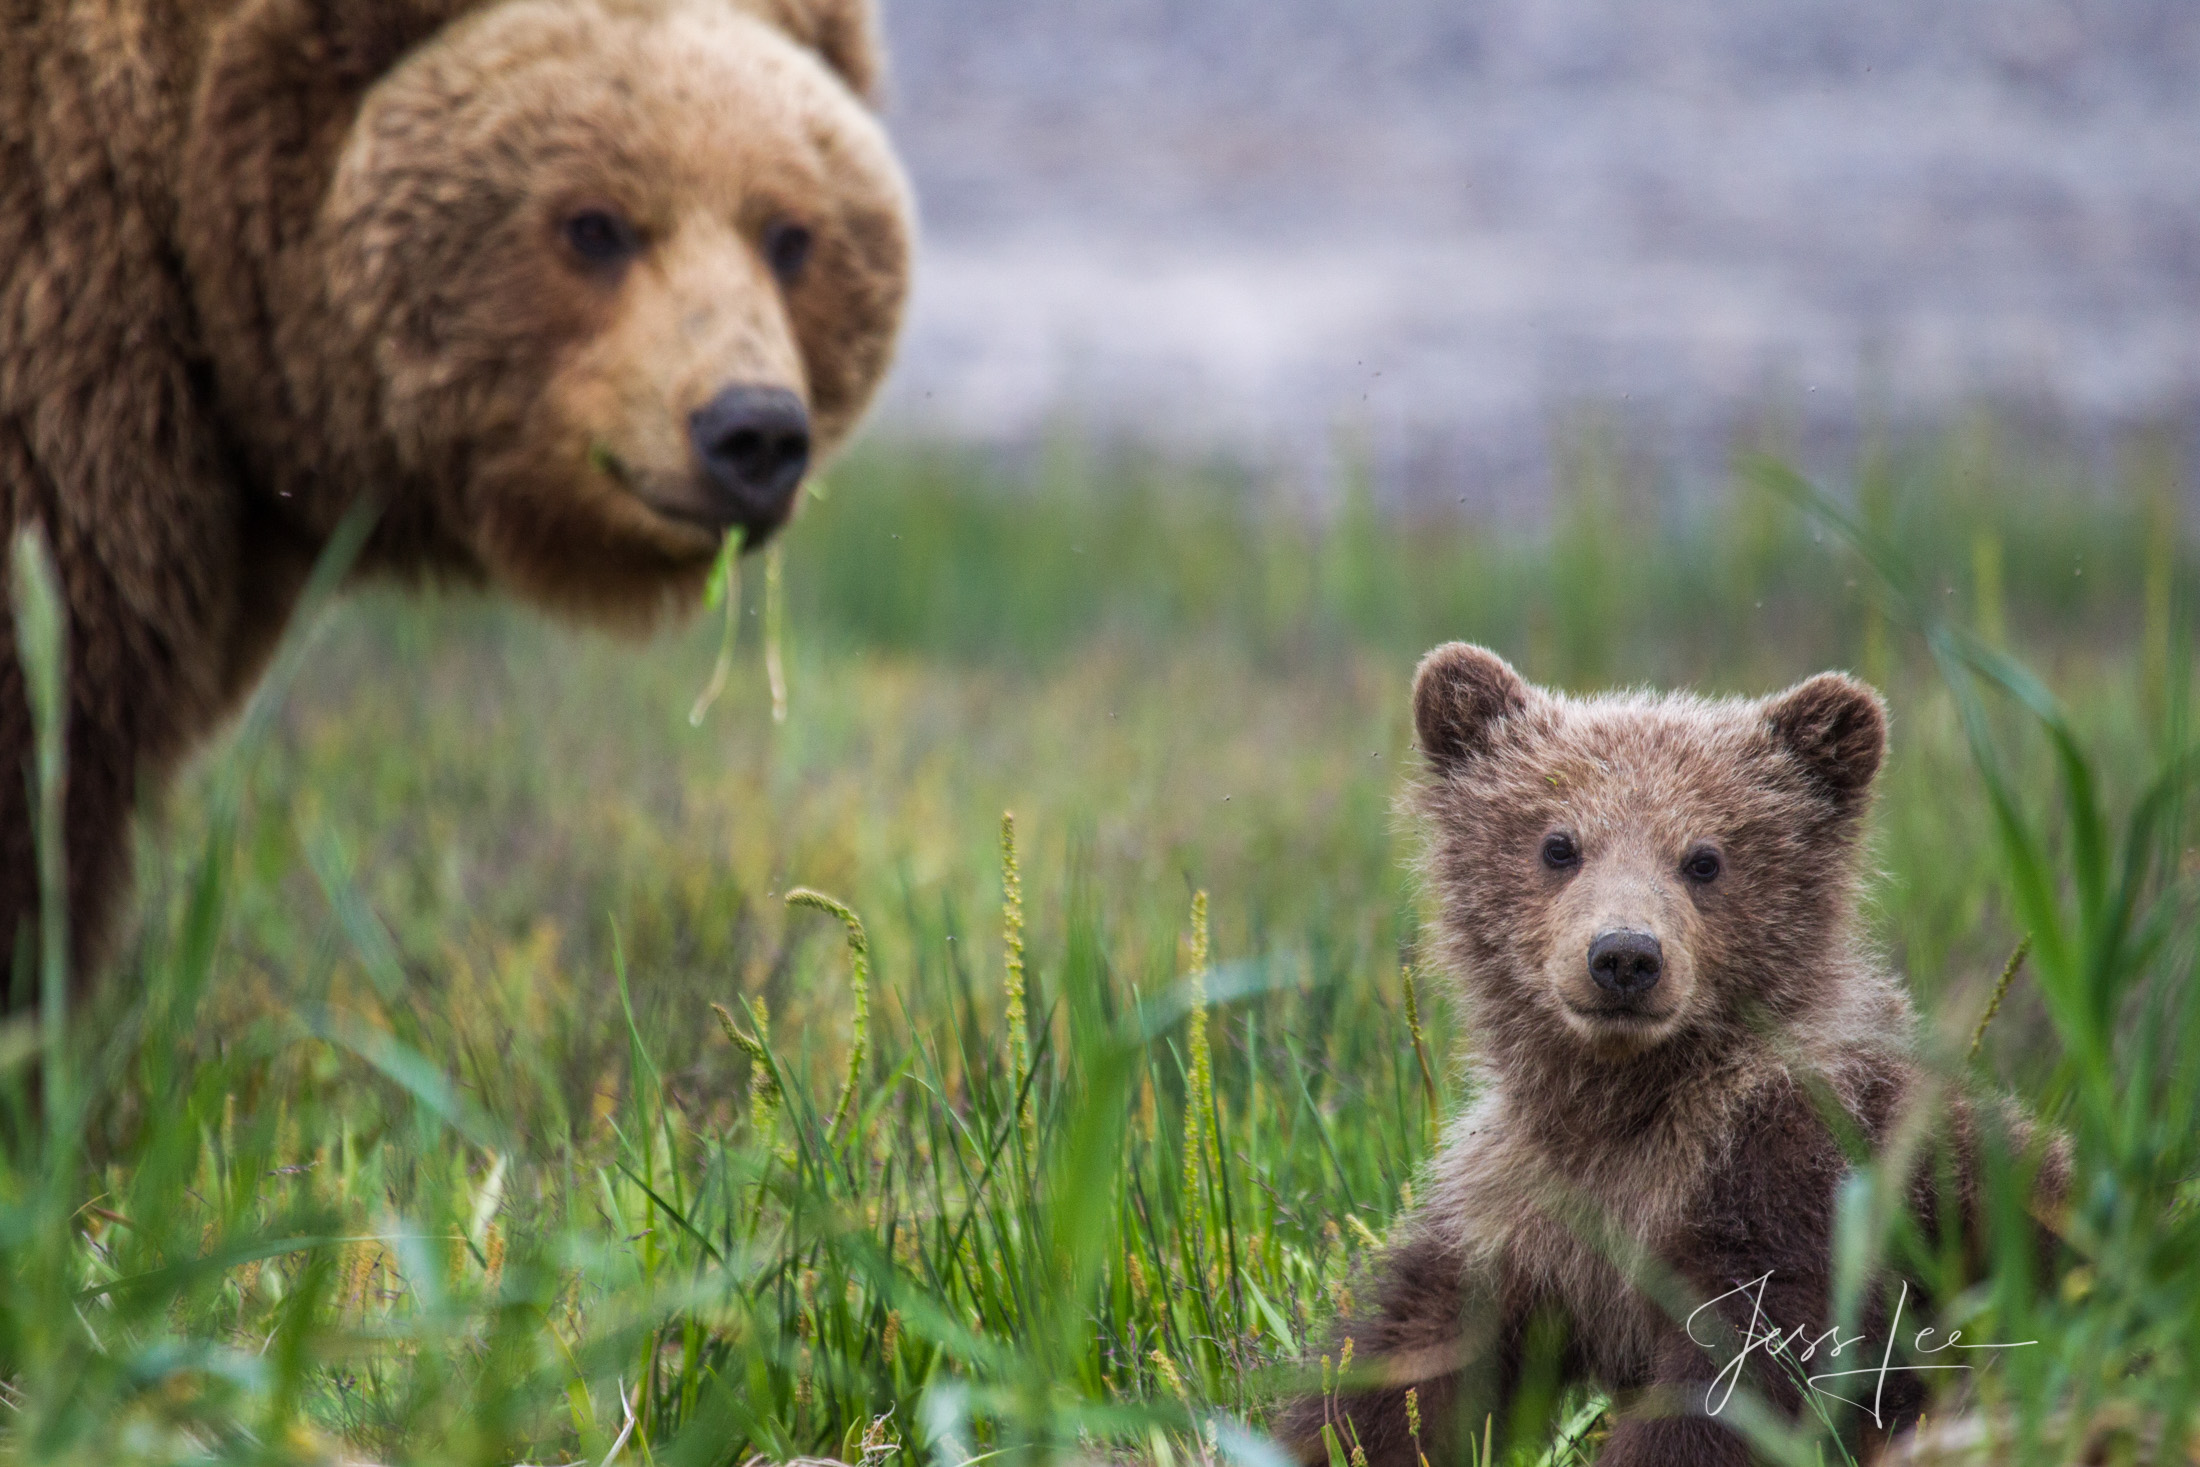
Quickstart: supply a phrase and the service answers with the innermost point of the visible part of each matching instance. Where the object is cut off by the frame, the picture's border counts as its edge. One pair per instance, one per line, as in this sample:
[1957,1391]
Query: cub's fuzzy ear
[1459,693]
[1836,728]
[844,32]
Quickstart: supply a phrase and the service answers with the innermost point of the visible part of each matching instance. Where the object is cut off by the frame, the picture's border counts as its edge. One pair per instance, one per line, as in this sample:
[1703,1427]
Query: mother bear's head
[574,288]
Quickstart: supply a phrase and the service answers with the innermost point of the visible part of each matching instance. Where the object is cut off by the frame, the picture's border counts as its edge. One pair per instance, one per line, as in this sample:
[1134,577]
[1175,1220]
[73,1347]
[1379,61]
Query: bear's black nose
[1626,962]
[753,444]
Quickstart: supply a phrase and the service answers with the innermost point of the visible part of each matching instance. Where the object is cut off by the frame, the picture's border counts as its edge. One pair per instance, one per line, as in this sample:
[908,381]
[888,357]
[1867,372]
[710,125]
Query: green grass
[407,1121]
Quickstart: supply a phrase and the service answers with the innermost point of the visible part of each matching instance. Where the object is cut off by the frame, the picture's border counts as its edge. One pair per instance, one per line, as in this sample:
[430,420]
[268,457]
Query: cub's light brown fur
[264,258]
[1676,1131]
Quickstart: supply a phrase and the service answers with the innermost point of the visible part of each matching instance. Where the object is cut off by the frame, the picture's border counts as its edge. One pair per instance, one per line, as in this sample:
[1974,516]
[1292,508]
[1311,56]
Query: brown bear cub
[567,291]
[1650,904]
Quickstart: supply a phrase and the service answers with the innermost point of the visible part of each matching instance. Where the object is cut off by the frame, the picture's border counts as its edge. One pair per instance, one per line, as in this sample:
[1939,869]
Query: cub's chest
[1569,1234]
[1548,1264]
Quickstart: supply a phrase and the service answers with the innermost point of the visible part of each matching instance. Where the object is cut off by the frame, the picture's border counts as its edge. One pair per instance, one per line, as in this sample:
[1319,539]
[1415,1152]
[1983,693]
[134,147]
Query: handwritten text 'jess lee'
[1760,1335]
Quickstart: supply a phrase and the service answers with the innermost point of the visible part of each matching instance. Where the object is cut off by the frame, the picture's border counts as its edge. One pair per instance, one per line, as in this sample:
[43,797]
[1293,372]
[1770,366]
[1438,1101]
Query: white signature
[1761,1335]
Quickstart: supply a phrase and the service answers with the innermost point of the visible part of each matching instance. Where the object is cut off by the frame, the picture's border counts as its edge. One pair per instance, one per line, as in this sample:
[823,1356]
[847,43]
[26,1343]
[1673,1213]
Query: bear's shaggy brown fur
[1651,906]
[520,271]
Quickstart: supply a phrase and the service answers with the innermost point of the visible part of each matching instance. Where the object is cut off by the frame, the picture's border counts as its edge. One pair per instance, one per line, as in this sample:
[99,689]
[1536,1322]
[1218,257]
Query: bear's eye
[601,237]
[787,247]
[1559,851]
[1702,865]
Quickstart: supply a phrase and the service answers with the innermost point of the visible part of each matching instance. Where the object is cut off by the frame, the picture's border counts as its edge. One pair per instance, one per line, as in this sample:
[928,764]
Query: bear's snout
[752,445]
[1625,962]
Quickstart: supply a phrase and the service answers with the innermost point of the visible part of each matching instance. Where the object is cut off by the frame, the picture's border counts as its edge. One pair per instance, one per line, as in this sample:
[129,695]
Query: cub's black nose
[1626,963]
[752,444]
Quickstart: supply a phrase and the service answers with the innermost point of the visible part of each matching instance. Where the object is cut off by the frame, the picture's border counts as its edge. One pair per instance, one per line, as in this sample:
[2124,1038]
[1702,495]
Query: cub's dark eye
[1702,865]
[1559,851]
[601,237]
[787,247]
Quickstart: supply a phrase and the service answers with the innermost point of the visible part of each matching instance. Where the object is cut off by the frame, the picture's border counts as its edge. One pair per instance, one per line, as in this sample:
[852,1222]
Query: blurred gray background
[1443,232]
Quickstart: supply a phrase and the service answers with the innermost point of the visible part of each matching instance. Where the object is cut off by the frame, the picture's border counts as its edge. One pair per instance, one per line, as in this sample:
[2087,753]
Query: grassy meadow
[469,1090]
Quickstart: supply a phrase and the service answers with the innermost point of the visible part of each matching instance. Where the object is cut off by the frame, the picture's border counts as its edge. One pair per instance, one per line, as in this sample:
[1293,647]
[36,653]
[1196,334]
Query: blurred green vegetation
[407,1121]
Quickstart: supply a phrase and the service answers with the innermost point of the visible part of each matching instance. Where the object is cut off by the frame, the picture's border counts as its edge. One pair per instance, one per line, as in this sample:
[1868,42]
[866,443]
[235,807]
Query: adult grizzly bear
[1650,904]
[571,288]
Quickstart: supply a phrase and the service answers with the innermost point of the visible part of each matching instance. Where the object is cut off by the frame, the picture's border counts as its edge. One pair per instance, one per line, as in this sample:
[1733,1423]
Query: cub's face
[615,274]
[1615,872]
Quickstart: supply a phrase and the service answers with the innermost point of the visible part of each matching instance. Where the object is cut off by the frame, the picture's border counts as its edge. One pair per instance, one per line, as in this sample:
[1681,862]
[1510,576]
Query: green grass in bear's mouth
[606,463]
[411,1124]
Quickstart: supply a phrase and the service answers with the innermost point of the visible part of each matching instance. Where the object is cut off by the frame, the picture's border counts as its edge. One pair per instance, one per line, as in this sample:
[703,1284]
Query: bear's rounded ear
[844,32]
[1460,691]
[1836,727]
[302,61]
